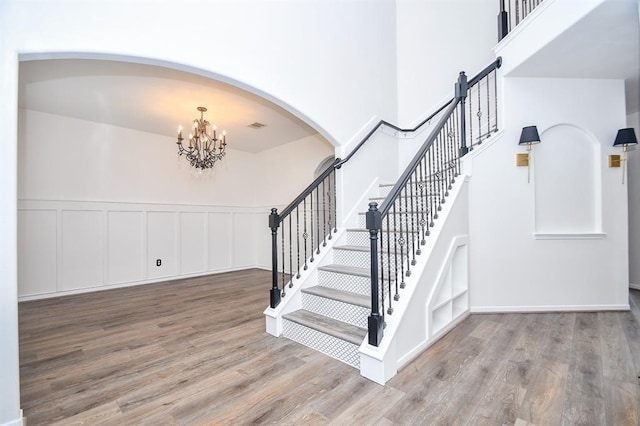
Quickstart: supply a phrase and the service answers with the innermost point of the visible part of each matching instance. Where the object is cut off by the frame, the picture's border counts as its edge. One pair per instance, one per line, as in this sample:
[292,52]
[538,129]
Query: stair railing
[309,221]
[512,13]
[400,227]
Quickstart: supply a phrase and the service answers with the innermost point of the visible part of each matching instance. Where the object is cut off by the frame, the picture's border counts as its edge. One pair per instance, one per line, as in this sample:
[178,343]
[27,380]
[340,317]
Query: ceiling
[605,44]
[154,99]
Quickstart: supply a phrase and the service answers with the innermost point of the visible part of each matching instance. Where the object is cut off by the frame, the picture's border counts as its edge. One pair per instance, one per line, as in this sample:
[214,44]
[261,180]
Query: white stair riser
[332,346]
[431,187]
[345,282]
[359,259]
[396,220]
[341,311]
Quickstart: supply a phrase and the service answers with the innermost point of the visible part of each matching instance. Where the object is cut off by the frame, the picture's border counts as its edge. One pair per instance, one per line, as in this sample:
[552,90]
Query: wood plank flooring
[195,352]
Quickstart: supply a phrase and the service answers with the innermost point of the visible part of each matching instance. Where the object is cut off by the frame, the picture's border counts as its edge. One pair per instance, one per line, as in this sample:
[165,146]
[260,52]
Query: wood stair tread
[339,295]
[335,328]
[363,249]
[345,269]
[389,230]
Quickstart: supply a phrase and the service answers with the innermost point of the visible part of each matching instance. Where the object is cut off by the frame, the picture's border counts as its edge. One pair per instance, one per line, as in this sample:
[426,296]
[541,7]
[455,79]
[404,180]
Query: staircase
[387,274]
[333,318]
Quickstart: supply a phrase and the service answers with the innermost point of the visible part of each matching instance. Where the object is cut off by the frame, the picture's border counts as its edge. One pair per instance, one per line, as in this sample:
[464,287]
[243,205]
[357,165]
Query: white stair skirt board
[328,308]
[407,331]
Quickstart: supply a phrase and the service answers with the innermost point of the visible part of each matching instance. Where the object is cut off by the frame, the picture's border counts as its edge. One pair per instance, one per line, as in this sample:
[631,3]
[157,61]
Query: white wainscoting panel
[82,249]
[193,242]
[162,244]
[37,248]
[220,240]
[243,226]
[125,237]
[69,247]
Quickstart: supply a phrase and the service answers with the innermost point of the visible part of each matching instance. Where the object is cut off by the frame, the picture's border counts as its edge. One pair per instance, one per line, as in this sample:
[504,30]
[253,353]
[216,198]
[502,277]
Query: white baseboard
[634,286]
[29,297]
[20,421]
[548,308]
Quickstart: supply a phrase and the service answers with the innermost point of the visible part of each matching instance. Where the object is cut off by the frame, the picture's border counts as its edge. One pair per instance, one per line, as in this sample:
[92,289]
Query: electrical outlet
[158,262]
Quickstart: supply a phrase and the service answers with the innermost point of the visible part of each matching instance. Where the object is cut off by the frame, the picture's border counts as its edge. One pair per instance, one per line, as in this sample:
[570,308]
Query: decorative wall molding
[68,247]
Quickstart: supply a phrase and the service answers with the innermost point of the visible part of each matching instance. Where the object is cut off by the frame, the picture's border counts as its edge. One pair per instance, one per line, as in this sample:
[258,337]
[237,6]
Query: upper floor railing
[512,12]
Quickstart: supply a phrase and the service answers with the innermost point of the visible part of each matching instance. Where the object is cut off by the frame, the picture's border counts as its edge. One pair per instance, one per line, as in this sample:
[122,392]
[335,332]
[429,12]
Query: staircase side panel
[413,334]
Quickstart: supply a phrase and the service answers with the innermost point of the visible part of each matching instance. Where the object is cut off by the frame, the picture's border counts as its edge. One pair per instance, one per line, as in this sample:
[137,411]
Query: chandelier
[204,146]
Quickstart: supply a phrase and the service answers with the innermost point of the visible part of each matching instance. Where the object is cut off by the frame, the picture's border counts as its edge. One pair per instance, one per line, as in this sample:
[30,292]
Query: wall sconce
[624,138]
[528,137]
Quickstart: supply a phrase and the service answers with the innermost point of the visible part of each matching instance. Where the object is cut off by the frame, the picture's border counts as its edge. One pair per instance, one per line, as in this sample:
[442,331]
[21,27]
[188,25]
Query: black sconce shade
[626,137]
[529,135]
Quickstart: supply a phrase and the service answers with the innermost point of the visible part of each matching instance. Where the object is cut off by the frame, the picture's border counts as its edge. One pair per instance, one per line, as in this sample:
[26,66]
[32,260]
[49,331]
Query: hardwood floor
[195,352]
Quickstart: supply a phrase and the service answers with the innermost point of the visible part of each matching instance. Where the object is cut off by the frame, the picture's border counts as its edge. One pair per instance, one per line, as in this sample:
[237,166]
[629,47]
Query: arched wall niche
[568,183]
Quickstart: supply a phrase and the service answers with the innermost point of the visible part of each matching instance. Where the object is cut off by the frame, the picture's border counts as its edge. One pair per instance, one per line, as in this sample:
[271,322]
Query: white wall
[322,59]
[633,187]
[564,266]
[62,158]
[98,212]
[436,40]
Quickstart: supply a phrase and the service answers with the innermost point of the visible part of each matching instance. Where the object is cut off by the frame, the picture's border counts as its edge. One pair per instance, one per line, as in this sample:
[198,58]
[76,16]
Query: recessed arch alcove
[568,183]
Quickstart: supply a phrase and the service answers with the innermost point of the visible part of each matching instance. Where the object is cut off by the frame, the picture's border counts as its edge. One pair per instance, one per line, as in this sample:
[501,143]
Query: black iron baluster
[431,175]
[471,121]
[495,94]
[456,121]
[329,199]
[395,244]
[283,266]
[447,156]
[298,240]
[389,251]
[311,226]
[452,148]
[479,114]
[335,205]
[488,107]
[424,213]
[274,223]
[382,268]
[318,220]
[402,243]
[324,216]
[413,223]
[305,235]
[517,13]
[290,254]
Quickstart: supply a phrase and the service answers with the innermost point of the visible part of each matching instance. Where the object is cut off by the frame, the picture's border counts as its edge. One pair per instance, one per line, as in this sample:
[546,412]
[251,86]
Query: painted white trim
[547,308]
[569,236]
[155,280]
[418,350]
[634,286]
[20,421]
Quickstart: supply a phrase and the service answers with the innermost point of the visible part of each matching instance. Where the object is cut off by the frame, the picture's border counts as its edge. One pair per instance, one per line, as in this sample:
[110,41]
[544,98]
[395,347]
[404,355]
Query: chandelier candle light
[204,146]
